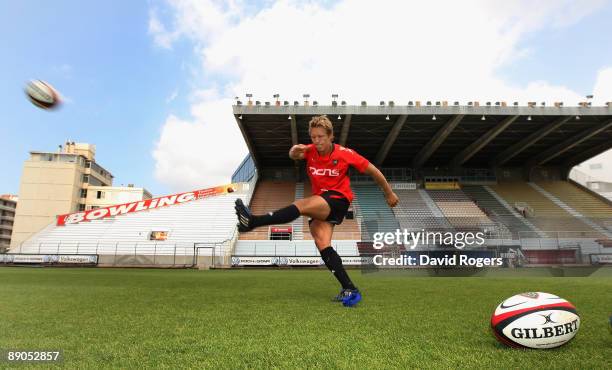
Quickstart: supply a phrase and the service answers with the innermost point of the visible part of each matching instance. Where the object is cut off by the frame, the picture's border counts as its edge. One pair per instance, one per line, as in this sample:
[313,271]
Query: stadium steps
[347,230]
[269,196]
[549,217]
[374,211]
[498,209]
[571,210]
[414,213]
[590,206]
[461,212]
[298,224]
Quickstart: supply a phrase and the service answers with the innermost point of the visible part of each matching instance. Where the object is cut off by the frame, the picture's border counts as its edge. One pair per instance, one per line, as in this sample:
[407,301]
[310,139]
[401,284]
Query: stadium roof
[435,136]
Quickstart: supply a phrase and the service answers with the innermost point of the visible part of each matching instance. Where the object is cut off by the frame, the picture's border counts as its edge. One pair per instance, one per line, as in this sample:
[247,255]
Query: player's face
[321,139]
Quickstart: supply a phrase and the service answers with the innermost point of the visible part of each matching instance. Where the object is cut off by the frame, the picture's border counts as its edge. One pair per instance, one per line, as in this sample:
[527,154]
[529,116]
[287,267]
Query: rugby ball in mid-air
[42,94]
[535,320]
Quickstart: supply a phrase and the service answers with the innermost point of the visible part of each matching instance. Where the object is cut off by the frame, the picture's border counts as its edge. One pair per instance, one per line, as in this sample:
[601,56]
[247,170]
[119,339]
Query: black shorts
[338,205]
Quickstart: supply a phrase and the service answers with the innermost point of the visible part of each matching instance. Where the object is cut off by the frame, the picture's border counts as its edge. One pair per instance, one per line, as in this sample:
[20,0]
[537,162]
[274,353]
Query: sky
[151,83]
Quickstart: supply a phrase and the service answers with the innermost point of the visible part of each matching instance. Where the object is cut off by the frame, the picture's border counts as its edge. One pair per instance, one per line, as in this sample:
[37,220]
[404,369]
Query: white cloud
[173,95]
[387,50]
[602,92]
[201,152]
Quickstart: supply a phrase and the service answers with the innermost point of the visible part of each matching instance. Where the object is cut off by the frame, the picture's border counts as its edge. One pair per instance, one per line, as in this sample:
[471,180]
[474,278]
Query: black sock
[334,264]
[281,216]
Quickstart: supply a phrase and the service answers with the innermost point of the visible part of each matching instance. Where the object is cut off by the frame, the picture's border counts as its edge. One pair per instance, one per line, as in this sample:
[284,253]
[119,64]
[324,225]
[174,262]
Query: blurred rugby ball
[42,94]
[535,320]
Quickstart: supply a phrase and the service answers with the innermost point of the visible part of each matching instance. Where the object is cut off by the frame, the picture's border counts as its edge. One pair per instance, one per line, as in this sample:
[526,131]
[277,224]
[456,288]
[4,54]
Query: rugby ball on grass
[535,320]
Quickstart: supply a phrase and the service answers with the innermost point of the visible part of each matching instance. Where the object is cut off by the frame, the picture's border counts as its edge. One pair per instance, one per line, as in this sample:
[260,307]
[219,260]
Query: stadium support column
[395,130]
[294,141]
[434,143]
[482,141]
[568,144]
[248,141]
[346,125]
[515,149]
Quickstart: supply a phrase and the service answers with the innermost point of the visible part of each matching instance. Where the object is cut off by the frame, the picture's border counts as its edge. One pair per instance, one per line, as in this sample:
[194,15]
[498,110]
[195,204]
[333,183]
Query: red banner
[287,229]
[143,205]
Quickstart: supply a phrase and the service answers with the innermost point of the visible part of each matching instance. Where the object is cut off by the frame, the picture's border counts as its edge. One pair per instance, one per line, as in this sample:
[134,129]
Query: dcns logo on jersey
[324,171]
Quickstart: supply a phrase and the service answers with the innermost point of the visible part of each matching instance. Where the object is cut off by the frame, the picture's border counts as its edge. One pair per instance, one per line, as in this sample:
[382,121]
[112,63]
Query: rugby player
[327,166]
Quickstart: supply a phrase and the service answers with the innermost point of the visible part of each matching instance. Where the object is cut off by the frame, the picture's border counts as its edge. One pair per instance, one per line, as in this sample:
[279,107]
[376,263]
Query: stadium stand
[269,196]
[208,221]
[588,205]
[460,210]
[373,209]
[415,213]
[547,215]
[498,210]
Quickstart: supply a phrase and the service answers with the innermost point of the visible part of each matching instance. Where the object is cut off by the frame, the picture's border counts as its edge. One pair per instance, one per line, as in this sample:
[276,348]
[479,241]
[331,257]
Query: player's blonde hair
[323,122]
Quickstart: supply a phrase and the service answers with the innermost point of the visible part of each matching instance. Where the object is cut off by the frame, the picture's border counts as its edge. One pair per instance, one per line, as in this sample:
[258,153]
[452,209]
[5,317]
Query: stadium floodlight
[483,118]
[528,118]
[387,118]
[433,118]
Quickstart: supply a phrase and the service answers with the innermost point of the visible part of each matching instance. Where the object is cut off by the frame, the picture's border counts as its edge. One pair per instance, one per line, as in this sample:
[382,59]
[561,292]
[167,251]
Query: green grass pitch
[127,318]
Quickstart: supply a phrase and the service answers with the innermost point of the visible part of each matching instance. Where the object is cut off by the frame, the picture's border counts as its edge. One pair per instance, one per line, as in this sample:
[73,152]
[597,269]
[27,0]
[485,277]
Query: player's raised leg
[314,206]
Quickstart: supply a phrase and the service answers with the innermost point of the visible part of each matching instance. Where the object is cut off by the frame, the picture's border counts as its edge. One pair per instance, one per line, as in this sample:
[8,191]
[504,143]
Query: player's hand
[392,199]
[297,151]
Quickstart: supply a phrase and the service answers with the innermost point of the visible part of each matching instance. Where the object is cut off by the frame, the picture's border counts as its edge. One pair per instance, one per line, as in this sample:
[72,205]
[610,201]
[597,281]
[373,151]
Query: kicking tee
[330,172]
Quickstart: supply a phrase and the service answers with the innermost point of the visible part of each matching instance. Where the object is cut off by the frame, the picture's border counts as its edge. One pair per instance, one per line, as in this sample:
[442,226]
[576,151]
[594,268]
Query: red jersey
[330,172]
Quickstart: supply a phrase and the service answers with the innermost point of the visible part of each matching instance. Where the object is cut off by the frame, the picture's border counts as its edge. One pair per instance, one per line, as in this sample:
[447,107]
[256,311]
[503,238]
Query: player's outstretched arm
[391,198]
[297,151]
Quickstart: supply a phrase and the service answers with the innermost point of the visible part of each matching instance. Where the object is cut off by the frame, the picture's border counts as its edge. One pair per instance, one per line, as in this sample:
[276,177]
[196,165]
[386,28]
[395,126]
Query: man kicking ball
[327,165]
